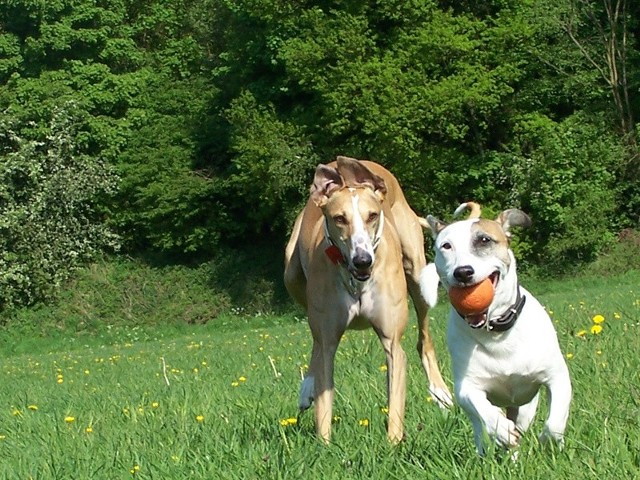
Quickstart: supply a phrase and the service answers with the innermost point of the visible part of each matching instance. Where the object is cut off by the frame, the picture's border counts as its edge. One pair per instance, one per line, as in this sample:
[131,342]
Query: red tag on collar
[334,254]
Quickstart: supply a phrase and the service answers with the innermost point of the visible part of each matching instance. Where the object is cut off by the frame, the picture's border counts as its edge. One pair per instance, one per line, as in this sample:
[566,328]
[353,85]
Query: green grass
[241,374]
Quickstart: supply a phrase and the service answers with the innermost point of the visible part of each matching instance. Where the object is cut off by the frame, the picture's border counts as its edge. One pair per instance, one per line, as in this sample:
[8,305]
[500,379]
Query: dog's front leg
[559,388]
[483,414]
[396,385]
[324,388]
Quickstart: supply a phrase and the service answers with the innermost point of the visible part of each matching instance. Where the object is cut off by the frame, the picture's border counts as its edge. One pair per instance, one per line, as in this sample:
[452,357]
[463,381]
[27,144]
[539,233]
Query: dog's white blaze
[360,237]
[458,235]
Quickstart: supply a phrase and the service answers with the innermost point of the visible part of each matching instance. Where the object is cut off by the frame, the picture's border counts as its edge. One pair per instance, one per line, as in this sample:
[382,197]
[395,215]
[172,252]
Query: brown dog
[354,251]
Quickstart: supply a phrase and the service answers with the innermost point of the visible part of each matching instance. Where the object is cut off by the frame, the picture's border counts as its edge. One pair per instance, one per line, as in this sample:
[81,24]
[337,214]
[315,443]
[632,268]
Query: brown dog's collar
[334,254]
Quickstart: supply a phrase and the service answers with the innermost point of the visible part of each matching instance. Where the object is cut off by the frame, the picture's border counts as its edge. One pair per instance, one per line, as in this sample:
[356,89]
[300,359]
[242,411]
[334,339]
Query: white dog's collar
[505,321]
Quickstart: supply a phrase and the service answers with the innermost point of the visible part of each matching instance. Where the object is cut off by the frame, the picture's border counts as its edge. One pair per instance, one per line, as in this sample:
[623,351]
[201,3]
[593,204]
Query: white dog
[502,356]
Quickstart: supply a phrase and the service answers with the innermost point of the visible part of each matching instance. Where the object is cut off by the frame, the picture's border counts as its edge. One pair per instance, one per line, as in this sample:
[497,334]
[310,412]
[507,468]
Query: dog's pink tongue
[476,320]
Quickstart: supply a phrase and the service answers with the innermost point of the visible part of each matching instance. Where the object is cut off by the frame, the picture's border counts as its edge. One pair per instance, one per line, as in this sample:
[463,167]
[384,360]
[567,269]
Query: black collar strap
[505,321]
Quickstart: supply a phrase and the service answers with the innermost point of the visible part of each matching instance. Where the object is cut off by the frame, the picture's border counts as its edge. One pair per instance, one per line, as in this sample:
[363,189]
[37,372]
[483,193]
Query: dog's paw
[547,436]
[307,393]
[505,433]
[441,396]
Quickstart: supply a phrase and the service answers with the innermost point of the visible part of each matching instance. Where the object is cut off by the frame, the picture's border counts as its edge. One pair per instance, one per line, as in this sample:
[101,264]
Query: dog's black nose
[362,260]
[464,273]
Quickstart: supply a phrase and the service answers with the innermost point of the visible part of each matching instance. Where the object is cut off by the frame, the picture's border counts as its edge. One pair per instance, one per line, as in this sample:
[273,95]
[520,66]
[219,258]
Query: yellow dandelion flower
[135,469]
[337,418]
[597,319]
[242,379]
[200,418]
[617,316]
[364,422]
[69,419]
[16,412]
[596,329]
[598,352]
[2,437]
[286,422]
[33,408]
[155,405]
[86,372]
[384,410]
[569,356]
[234,384]
[581,333]
[382,368]
[89,429]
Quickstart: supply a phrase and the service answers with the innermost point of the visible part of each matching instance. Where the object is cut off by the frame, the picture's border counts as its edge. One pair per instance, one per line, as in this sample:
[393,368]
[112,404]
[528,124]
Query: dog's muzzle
[361,264]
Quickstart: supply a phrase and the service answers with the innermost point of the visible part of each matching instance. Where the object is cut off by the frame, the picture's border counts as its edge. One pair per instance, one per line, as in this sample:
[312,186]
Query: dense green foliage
[214,113]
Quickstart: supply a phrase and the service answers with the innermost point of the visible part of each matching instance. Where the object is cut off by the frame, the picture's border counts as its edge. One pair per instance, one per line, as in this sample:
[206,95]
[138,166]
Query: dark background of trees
[192,127]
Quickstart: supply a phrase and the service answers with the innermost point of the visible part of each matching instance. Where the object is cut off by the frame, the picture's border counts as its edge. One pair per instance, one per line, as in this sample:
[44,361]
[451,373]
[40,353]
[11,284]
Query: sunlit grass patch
[220,402]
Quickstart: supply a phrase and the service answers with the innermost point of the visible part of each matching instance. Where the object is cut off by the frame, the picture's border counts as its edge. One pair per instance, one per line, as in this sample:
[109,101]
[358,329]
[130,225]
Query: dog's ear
[474,209]
[435,225]
[325,181]
[355,174]
[513,218]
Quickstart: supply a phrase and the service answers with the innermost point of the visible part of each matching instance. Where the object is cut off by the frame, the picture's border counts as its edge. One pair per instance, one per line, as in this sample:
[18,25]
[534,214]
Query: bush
[49,222]
[564,176]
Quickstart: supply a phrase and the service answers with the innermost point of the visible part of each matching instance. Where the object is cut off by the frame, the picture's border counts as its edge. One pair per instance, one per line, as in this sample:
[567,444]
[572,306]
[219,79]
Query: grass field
[220,401]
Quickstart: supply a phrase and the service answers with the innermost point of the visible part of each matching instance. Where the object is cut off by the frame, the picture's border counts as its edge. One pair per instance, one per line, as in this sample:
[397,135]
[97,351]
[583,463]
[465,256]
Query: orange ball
[474,299]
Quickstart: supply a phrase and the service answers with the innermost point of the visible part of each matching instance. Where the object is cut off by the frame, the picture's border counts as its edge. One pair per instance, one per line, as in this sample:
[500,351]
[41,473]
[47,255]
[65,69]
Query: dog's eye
[446,246]
[485,239]
[373,216]
[340,220]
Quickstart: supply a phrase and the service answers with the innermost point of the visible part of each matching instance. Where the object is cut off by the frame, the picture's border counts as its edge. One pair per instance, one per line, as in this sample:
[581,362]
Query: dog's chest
[509,370]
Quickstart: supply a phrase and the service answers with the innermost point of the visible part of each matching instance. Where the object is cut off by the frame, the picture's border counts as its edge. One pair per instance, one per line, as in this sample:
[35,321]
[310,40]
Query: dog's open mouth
[479,319]
[360,275]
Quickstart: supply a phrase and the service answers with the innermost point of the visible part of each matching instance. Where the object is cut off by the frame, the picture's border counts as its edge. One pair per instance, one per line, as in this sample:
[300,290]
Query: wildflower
[616,315]
[569,356]
[135,469]
[2,437]
[382,368]
[155,405]
[199,418]
[286,422]
[86,372]
[234,384]
[336,418]
[16,412]
[598,319]
[384,410]
[33,408]
[581,333]
[364,422]
[89,429]
[242,379]
[69,419]
[596,329]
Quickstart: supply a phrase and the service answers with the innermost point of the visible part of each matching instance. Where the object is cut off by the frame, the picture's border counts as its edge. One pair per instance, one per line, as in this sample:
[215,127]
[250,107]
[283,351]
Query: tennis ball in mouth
[474,299]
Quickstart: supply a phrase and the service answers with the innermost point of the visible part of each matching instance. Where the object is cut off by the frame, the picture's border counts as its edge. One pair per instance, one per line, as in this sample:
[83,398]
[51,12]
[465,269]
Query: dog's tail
[474,209]
[423,223]
[429,284]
